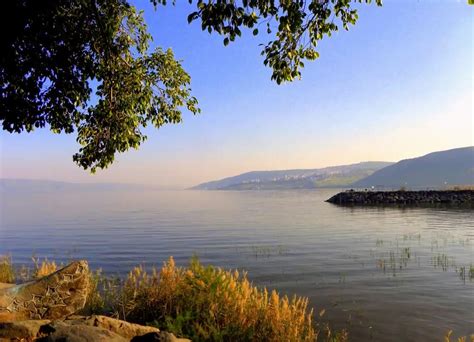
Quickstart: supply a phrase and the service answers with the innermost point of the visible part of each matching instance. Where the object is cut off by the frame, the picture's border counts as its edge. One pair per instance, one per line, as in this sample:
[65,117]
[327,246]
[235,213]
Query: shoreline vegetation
[202,303]
[198,302]
[455,198]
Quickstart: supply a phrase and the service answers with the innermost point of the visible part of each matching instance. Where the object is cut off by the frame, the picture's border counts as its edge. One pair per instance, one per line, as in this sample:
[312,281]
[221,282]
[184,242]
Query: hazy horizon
[374,95]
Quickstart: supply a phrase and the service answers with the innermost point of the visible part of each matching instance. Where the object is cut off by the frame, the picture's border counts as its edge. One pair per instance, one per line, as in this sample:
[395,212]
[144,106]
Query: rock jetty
[428,197]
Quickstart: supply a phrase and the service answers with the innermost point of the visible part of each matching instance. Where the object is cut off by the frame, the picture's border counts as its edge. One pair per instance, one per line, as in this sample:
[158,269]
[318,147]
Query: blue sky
[399,84]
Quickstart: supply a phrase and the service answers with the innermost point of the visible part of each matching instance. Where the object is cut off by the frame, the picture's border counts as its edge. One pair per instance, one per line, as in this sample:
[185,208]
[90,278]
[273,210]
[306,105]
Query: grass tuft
[7,273]
[44,267]
[207,303]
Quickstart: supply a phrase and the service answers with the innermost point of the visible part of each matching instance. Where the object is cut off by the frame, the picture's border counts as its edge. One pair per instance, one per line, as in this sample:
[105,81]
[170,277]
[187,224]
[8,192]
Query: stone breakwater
[429,197]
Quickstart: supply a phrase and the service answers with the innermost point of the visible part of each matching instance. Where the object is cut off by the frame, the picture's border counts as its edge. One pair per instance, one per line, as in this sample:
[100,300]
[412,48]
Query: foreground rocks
[82,329]
[57,295]
[42,310]
[430,197]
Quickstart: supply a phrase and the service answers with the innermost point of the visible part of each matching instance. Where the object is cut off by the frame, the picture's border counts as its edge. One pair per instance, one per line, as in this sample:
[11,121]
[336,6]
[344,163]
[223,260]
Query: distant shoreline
[405,198]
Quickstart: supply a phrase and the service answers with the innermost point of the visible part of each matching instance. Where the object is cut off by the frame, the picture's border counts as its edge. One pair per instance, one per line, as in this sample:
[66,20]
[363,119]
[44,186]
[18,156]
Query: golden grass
[447,338]
[44,267]
[41,269]
[208,303]
[7,274]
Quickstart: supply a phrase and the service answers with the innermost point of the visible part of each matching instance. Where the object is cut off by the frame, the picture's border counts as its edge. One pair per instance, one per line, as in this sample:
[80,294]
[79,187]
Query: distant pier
[427,197]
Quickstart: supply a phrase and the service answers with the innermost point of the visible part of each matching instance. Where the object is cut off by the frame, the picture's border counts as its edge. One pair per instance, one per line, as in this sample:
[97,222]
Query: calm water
[387,274]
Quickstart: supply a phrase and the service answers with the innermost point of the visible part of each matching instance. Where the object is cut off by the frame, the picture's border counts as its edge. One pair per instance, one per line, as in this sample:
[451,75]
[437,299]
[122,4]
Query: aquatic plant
[465,272]
[266,251]
[443,261]
[397,260]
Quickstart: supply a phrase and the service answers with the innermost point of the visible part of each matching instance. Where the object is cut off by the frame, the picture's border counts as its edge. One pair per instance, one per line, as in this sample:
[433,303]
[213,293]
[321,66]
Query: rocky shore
[44,310]
[428,197]
[82,329]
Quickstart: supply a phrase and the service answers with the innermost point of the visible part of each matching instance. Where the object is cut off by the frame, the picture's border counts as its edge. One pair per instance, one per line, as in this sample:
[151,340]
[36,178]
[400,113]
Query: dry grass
[40,269]
[447,338]
[207,303]
[7,274]
[43,268]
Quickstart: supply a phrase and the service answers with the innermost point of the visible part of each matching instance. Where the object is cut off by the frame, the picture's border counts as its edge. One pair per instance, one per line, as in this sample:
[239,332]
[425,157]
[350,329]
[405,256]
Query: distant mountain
[334,176]
[451,167]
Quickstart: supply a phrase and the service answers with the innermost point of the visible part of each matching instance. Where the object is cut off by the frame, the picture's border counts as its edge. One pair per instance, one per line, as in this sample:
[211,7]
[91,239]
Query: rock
[25,330]
[158,337]
[122,328]
[55,296]
[81,329]
[59,331]
[461,198]
[5,286]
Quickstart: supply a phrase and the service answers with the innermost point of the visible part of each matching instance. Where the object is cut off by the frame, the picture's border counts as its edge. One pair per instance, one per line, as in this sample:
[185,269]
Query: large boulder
[57,295]
[62,331]
[122,328]
[82,329]
[21,330]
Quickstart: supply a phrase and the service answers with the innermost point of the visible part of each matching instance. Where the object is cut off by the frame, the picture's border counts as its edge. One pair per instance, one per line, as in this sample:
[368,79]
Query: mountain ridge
[451,167]
[441,168]
[295,178]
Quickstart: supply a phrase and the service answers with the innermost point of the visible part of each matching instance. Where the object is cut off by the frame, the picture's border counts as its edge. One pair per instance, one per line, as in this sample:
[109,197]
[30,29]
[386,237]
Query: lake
[387,274]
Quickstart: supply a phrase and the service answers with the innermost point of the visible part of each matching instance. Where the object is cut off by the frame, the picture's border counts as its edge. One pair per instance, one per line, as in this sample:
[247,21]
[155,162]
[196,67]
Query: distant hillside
[334,176]
[451,167]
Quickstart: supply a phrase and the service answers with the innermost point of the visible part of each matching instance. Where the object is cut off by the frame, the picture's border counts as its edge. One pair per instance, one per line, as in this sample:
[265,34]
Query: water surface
[386,274]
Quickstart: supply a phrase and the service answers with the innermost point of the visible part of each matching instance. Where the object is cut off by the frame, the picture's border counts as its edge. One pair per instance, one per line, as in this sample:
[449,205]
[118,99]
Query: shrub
[208,303]
[7,274]
[105,296]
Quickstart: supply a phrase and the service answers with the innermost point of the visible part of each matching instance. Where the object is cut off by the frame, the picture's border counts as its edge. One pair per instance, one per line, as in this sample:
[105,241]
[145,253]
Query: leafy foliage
[298,26]
[86,65]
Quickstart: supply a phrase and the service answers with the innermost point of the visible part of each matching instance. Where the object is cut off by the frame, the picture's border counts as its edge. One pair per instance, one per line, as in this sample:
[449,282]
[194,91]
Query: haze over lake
[385,273]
